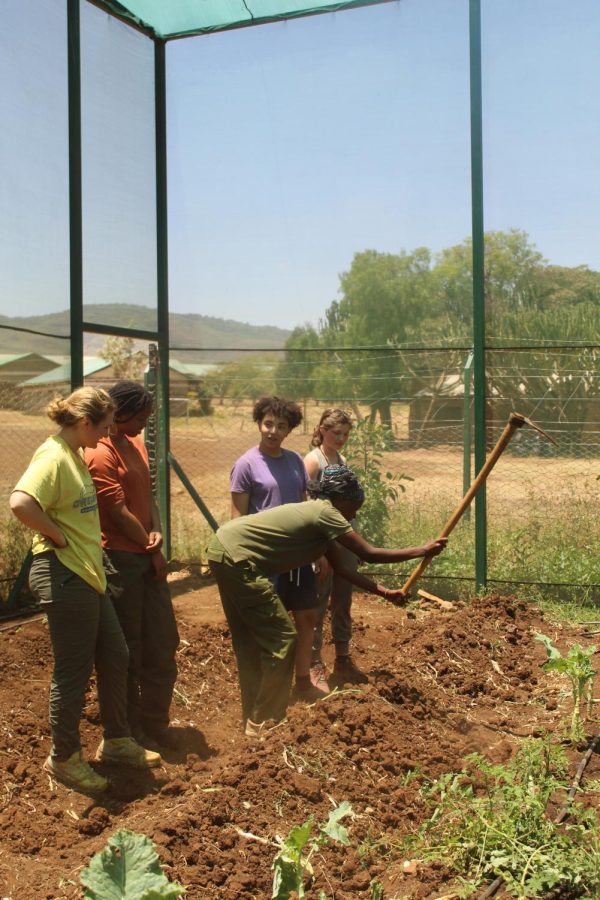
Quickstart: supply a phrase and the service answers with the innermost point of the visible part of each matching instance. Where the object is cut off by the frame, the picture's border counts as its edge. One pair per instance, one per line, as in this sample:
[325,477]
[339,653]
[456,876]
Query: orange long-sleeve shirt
[121,475]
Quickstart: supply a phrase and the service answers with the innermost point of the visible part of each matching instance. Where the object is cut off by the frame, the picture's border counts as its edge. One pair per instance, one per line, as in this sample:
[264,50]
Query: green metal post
[162,284]
[193,493]
[467,378]
[75,213]
[478,287]
[151,432]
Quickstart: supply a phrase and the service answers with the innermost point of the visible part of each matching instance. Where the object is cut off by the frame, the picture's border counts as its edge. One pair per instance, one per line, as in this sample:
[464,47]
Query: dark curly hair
[337,483]
[282,409]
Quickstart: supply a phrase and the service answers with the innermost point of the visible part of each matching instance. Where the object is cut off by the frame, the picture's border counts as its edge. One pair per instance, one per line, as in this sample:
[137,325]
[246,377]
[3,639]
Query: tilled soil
[442,684]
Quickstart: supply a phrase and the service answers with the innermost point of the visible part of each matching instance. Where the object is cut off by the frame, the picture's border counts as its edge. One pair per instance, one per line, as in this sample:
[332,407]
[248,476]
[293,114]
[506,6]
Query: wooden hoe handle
[516,420]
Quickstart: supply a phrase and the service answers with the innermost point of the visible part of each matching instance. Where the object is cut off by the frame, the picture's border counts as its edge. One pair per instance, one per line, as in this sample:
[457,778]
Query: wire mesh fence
[542,498]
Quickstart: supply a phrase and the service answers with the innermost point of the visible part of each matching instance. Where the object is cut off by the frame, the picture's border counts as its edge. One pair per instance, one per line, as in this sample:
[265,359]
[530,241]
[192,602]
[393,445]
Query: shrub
[364,453]
[490,821]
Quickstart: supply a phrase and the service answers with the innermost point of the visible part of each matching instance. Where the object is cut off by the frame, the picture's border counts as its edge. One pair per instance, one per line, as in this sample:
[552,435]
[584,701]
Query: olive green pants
[262,633]
[335,594]
[85,633]
[145,612]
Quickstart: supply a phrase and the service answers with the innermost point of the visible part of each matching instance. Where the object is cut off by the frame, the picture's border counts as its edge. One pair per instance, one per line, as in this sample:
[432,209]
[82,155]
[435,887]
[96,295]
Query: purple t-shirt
[270,481]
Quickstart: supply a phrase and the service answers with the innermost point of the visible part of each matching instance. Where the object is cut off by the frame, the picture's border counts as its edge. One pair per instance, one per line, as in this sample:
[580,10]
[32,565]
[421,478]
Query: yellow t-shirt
[59,480]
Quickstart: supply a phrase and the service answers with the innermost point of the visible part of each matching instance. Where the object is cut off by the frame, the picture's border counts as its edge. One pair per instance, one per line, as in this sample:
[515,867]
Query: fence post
[468,371]
[478,241]
[162,282]
[75,196]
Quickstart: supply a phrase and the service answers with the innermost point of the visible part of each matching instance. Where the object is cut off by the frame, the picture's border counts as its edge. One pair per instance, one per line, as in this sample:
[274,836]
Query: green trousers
[263,635]
[85,633]
[145,612]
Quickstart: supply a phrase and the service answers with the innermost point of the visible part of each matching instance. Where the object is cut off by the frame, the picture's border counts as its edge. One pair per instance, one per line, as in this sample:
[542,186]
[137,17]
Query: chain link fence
[542,498]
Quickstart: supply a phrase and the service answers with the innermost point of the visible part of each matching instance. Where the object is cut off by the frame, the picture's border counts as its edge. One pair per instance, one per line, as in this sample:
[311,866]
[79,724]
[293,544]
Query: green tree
[529,302]
[385,299]
[365,452]
[126,362]
[246,378]
[388,300]
[512,266]
[295,373]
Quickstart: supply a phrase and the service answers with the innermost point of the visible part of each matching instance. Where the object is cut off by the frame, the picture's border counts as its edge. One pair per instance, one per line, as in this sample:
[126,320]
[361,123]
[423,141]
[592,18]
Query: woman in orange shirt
[132,539]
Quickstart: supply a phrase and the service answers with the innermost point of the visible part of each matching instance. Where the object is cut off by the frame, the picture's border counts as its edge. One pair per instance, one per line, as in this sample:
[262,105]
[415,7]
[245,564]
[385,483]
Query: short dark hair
[282,409]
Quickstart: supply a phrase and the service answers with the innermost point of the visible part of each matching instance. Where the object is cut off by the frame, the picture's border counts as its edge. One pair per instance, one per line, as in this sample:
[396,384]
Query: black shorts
[298,589]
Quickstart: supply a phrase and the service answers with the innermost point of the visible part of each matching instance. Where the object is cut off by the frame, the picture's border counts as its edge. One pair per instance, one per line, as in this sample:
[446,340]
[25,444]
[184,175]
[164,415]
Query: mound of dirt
[442,684]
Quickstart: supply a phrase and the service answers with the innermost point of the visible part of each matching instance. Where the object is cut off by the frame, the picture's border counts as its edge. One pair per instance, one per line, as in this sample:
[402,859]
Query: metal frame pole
[193,493]
[467,378]
[479,410]
[75,192]
[162,273]
[75,232]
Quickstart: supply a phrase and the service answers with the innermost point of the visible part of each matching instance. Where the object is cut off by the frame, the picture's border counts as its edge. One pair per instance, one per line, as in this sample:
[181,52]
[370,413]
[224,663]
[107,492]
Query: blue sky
[293,146]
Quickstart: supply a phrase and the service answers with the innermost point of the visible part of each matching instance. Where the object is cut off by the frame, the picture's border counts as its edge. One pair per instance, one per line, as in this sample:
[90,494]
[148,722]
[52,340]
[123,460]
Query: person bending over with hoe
[247,552]
[56,498]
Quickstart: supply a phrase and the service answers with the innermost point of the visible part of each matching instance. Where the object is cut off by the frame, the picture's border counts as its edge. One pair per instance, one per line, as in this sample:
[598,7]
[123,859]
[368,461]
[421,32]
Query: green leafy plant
[376,888]
[128,869]
[490,821]
[577,666]
[292,863]
[368,847]
[364,453]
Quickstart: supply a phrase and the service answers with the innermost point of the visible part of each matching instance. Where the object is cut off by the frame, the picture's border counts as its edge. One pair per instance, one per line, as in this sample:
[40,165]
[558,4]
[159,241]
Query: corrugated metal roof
[196,369]
[6,358]
[91,365]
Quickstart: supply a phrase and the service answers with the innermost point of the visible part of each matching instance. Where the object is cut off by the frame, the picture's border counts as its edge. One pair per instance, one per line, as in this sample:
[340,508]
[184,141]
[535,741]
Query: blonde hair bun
[85,402]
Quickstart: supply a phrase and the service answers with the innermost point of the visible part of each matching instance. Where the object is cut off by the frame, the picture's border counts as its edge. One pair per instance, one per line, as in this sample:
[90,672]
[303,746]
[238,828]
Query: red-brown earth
[442,684]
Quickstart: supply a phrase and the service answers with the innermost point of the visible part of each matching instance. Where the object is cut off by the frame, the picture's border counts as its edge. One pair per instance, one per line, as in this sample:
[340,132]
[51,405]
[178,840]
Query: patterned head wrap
[337,483]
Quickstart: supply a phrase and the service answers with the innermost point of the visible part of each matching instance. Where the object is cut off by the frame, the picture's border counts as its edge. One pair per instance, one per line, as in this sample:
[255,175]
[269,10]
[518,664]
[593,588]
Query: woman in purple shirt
[267,476]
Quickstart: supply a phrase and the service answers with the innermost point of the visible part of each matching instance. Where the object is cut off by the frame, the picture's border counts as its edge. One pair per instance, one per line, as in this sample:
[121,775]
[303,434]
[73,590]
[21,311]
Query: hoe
[515,421]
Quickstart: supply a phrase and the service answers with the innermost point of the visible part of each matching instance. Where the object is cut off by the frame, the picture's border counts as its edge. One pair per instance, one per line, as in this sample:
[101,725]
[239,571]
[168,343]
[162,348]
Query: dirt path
[442,684]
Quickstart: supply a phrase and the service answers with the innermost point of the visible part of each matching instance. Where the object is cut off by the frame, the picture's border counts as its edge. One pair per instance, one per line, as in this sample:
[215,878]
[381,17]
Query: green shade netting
[175,18]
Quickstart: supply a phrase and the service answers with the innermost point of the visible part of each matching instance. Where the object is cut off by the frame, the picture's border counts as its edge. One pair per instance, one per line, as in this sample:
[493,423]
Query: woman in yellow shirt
[56,498]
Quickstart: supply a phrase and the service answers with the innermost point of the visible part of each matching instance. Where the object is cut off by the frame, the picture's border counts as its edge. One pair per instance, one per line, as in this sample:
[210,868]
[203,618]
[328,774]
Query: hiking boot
[126,751]
[160,736]
[76,773]
[345,671]
[319,675]
[309,694]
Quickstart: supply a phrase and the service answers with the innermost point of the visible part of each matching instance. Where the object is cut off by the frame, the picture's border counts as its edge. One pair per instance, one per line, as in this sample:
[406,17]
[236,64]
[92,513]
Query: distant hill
[190,330]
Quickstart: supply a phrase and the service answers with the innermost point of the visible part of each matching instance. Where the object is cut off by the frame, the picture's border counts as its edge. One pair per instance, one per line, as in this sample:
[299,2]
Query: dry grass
[522,491]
